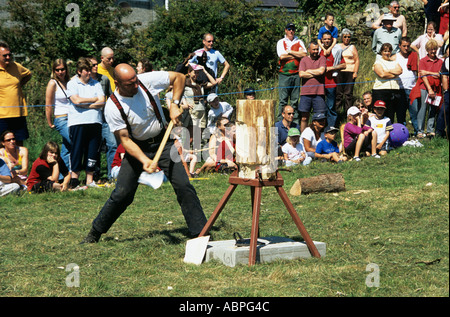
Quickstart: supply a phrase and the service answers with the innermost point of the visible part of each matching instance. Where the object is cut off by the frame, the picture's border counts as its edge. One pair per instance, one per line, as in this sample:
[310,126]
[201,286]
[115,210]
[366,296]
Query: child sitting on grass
[382,125]
[358,137]
[328,149]
[293,150]
[45,171]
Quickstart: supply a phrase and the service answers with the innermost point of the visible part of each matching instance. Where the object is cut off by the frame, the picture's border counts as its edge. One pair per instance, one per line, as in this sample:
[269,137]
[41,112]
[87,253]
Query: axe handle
[163,143]
[161,146]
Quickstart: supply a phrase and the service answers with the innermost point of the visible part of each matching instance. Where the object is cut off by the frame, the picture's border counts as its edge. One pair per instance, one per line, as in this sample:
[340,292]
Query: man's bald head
[126,80]
[107,57]
[106,51]
[288,113]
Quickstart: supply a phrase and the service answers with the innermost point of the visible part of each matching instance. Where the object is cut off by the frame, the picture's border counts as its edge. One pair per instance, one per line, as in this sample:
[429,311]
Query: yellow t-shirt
[108,73]
[12,100]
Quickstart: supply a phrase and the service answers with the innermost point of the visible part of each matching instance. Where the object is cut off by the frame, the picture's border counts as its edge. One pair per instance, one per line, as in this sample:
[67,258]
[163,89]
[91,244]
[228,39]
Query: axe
[163,144]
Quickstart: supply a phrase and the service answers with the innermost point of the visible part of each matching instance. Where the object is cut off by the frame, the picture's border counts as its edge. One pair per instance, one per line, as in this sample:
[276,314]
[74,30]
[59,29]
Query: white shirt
[79,115]
[308,134]
[293,153]
[224,110]
[140,113]
[408,78]
[285,44]
[380,126]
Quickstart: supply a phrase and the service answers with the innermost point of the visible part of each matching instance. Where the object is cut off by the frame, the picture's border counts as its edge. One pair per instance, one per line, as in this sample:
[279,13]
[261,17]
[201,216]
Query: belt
[61,115]
[150,141]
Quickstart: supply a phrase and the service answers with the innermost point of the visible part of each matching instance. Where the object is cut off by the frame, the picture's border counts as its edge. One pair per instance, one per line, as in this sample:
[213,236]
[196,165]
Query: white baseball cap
[353,111]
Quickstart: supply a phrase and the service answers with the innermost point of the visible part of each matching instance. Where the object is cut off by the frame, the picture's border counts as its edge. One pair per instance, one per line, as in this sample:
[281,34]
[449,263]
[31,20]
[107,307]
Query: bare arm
[55,172]
[211,79]
[49,102]
[310,73]
[356,58]
[24,169]
[224,72]
[307,145]
[86,102]
[381,72]
[177,81]
[133,149]
[337,67]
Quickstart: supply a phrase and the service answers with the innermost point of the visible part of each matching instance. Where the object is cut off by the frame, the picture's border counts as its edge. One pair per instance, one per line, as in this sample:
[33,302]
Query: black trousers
[127,184]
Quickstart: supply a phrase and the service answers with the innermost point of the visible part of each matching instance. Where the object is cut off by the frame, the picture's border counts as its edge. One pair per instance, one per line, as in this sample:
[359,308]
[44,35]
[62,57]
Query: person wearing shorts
[311,71]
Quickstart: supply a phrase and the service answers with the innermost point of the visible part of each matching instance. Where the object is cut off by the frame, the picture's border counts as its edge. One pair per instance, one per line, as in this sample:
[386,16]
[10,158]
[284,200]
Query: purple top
[352,131]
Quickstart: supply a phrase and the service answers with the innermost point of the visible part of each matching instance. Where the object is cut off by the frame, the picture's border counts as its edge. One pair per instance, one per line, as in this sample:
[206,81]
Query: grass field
[394,214]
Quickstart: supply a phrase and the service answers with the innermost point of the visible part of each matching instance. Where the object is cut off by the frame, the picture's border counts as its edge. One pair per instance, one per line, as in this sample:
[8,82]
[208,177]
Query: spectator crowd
[316,84]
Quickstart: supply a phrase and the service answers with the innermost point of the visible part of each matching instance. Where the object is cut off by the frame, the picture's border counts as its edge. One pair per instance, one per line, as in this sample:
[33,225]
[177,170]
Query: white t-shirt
[293,153]
[380,126]
[78,115]
[140,113]
[308,134]
[381,83]
[408,78]
[224,110]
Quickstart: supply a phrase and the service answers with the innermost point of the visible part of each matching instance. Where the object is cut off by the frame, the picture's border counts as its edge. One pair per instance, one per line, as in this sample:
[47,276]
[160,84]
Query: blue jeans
[111,146]
[413,108]
[421,115]
[61,126]
[330,98]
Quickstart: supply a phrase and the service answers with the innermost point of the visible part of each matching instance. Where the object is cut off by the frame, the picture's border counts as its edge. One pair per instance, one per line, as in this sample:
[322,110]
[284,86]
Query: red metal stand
[256,186]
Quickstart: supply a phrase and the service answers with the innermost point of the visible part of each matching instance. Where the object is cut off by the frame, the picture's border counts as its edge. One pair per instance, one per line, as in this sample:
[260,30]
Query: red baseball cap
[380,104]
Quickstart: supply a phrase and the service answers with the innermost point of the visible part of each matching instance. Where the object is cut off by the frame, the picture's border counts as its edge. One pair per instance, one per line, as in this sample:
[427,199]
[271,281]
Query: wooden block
[256,143]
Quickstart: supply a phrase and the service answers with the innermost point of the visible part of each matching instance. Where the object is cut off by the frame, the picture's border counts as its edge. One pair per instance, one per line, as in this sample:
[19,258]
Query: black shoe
[74,182]
[92,237]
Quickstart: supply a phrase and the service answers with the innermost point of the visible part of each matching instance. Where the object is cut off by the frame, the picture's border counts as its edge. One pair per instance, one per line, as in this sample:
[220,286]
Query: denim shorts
[316,102]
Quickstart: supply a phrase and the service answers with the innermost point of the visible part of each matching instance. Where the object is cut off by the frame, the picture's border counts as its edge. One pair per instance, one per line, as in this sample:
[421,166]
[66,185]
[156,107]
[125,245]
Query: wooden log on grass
[326,183]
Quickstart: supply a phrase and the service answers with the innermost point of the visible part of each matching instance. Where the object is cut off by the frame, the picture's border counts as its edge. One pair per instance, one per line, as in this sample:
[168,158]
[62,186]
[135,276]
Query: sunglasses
[7,55]
[290,113]
[93,65]
[290,29]
[9,140]
[60,69]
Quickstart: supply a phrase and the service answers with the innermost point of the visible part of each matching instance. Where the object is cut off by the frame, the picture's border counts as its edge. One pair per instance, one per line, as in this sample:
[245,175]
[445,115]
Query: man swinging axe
[135,116]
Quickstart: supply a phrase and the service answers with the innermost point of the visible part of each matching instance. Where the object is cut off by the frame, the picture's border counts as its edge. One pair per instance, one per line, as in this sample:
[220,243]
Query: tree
[39,31]
[51,31]
[245,35]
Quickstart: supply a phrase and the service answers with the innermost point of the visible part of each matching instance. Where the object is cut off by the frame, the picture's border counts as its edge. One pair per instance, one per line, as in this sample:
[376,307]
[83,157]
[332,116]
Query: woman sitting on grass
[357,136]
[313,134]
[221,148]
[46,169]
[16,157]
